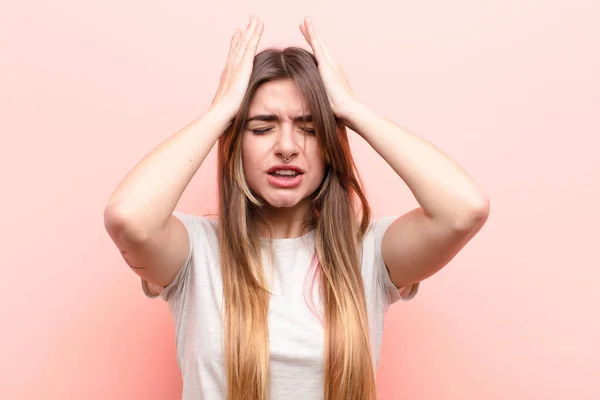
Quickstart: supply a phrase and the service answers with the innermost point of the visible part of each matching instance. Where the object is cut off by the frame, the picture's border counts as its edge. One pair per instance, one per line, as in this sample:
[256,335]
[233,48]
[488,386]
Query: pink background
[510,89]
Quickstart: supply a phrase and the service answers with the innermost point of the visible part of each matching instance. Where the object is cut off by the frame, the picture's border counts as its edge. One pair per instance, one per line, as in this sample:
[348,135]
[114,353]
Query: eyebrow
[273,117]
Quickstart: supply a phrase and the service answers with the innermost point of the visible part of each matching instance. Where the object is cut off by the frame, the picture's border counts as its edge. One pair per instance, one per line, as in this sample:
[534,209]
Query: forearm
[148,195]
[441,187]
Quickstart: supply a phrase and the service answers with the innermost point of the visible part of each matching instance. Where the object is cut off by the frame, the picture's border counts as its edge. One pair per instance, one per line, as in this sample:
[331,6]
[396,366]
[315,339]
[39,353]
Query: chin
[282,201]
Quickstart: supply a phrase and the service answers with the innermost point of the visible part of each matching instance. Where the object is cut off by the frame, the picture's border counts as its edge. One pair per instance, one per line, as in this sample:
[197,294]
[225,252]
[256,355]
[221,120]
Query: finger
[246,38]
[305,34]
[234,41]
[311,38]
[316,41]
[253,44]
[304,31]
[241,38]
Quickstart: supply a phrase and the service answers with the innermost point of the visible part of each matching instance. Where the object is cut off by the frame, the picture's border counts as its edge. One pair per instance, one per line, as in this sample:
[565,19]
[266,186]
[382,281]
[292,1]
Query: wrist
[222,110]
[217,117]
[354,114]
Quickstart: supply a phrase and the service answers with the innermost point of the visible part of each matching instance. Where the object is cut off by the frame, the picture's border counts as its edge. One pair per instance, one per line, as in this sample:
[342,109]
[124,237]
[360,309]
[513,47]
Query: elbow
[118,224]
[475,216]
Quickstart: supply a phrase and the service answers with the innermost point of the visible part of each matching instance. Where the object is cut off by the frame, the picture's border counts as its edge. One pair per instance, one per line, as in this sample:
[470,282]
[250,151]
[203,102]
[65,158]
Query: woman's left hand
[341,96]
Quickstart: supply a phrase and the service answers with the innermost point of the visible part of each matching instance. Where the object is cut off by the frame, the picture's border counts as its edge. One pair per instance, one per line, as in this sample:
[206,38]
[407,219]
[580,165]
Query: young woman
[283,296]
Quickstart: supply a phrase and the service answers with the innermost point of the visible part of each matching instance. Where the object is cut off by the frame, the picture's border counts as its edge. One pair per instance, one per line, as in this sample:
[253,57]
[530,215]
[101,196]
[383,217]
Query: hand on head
[238,69]
[236,75]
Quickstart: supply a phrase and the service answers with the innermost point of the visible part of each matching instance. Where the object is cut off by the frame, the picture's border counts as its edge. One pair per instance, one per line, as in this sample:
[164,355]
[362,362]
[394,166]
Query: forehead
[280,97]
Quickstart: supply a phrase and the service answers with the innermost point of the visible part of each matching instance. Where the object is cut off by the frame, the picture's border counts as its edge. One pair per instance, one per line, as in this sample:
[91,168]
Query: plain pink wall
[510,89]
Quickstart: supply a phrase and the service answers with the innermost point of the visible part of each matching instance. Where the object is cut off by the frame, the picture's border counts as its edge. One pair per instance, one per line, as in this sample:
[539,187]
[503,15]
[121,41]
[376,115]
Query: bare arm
[145,199]
[147,196]
[138,216]
[453,207]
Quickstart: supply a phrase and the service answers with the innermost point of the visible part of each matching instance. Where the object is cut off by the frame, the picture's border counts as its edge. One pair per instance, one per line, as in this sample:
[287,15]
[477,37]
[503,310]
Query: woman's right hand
[240,61]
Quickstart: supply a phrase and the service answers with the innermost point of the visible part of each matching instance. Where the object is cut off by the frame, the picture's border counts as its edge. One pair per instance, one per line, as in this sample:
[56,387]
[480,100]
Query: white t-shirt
[296,333]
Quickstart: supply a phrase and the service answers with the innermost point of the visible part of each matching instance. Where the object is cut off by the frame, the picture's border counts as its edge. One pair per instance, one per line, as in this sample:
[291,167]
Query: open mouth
[286,180]
[286,175]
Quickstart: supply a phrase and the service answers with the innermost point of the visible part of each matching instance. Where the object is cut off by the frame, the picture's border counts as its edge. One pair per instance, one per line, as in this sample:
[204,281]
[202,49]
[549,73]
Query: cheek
[247,153]
[320,172]
[251,163]
[316,160]
[248,165]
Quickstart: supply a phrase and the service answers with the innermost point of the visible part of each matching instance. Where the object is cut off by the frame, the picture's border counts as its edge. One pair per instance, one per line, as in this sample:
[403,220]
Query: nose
[287,143]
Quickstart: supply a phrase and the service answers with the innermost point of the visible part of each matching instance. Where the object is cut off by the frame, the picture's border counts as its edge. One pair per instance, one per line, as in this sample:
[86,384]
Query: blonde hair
[340,216]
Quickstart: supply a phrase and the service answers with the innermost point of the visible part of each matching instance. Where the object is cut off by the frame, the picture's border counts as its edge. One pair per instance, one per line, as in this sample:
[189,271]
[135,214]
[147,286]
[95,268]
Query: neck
[285,222]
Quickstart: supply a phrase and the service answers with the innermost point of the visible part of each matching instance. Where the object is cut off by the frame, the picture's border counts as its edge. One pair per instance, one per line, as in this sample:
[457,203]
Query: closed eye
[260,131]
[263,131]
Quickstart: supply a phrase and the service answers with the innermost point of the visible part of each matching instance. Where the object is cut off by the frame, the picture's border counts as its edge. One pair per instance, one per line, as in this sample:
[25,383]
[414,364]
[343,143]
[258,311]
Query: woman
[283,295]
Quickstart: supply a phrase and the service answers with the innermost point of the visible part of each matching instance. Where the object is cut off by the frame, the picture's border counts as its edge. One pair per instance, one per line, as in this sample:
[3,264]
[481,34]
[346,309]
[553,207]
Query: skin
[286,207]
[452,207]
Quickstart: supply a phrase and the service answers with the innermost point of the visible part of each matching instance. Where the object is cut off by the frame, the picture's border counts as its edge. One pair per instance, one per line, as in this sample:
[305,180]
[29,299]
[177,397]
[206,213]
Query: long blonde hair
[339,223]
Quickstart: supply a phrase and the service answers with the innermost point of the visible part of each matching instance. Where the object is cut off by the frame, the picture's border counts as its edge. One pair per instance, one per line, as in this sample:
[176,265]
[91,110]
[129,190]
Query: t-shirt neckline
[287,242]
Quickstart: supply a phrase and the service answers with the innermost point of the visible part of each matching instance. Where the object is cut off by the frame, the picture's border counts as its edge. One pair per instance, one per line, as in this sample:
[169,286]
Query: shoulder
[378,226]
[371,242]
[200,227]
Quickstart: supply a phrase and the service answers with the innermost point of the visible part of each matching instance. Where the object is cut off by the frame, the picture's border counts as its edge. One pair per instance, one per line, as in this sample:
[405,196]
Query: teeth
[285,172]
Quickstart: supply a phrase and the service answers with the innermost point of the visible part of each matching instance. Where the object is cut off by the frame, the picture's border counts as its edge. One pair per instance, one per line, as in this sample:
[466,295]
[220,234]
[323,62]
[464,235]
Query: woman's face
[280,132]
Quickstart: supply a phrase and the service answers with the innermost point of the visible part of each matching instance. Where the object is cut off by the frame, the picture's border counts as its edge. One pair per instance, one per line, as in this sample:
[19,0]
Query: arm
[147,196]
[138,217]
[453,207]
[144,201]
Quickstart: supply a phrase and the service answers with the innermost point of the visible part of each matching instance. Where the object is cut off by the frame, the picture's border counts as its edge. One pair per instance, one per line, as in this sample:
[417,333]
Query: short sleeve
[392,292]
[174,288]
